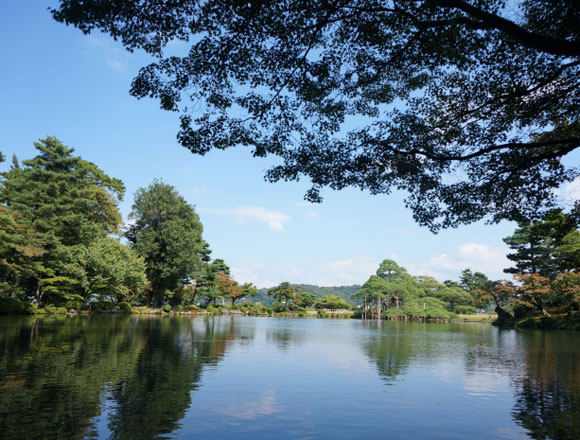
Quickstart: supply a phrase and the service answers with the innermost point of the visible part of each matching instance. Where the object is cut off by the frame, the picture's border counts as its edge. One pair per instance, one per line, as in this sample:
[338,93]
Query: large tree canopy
[468,105]
[167,233]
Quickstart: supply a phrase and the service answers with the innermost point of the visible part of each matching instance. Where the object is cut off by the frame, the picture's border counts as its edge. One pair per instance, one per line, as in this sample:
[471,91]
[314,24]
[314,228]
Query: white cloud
[113,55]
[479,257]
[491,260]
[274,219]
[340,272]
[569,192]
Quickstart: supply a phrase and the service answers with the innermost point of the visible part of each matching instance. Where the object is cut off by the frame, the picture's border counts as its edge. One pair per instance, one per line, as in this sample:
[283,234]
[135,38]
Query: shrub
[278,307]
[55,310]
[125,307]
[322,313]
[465,310]
[191,308]
[40,312]
[210,309]
[102,306]
[166,308]
[14,306]
[74,305]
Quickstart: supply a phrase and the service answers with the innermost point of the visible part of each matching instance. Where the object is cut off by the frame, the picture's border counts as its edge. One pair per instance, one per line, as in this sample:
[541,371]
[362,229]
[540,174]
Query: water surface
[254,378]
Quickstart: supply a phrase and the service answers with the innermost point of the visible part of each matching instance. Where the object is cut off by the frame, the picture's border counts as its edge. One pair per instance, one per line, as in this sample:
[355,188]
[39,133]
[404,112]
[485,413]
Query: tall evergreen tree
[547,247]
[51,203]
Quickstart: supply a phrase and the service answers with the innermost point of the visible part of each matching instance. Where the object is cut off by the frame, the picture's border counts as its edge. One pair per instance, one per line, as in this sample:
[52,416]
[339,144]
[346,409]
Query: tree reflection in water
[59,375]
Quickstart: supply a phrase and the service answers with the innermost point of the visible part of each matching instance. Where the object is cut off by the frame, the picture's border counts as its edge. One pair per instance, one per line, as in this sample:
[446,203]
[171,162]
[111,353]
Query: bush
[40,312]
[166,308]
[465,310]
[13,306]
[125,307]
[322,313]
[213,310]
[102,306]
[278,307]
[191,308]
[55,310]
[74,305]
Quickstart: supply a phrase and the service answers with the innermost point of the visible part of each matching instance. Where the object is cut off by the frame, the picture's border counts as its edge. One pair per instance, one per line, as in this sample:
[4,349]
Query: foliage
[332,302]
[474,283]
[464,310]
[548,246]
[105,266]
[166,308]
[467,106]
[285,294]
[344,292]
[14,306]
[167,233]
[102,306]
[228,287]
[248,290]
[125,307]
[306,299]
[49,204]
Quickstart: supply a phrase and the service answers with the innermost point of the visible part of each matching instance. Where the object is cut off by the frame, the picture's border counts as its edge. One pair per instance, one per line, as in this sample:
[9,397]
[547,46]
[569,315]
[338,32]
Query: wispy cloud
[113,56]
[274,219]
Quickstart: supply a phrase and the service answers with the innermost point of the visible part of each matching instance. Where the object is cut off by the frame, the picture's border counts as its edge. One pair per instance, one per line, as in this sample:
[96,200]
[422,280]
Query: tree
[567,289]
[400,285]
[208,280]
[51,203]
[306,299]
[248,290]
[167,233]
[547,246]
[500,292]
[107,267]
[438,89]
[285,293]
[332,302]
[534,292]
[228,287]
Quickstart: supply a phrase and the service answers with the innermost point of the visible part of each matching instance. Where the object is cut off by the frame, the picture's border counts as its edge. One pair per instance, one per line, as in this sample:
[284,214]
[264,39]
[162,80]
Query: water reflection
[541,368]
[137,374]
[548,391]
[140,378]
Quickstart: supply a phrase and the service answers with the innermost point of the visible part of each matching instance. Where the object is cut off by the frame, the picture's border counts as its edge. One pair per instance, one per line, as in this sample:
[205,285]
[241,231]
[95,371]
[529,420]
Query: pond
[128,377]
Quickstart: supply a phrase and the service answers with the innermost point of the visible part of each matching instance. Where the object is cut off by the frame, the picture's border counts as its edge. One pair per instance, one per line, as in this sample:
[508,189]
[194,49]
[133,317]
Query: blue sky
[56,81]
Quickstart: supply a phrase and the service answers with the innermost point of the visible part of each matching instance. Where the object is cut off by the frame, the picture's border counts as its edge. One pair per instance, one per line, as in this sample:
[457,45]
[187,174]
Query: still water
[270,378]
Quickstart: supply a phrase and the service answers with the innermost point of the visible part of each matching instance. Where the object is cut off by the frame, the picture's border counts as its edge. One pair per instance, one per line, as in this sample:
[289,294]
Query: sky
[55,81]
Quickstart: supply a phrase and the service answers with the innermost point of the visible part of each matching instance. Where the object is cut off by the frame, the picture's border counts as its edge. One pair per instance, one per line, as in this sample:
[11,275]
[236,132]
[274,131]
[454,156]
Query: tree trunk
[365,309]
